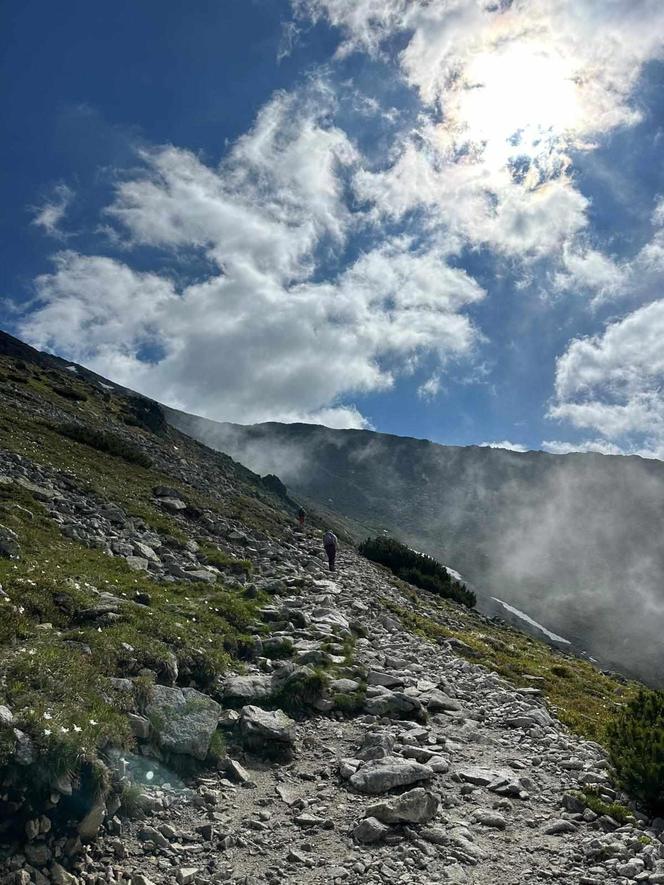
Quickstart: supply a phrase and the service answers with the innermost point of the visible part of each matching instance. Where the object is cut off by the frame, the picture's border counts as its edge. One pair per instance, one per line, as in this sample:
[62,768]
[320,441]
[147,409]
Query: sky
[435,218]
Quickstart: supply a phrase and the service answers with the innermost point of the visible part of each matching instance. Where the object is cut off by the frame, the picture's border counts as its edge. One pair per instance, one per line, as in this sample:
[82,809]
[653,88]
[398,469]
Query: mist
[573,540]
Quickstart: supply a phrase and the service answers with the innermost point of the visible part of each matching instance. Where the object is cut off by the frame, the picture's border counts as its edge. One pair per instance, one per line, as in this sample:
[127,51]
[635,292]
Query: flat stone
[491,819]
[559,828]
[483,777]
[382,775]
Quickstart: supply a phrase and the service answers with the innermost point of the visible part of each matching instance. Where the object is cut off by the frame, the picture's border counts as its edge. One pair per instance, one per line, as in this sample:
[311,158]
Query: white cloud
[612,383]
[49,215]
[507,91]
[430,388]
[505,444]
[266,335]
[558,447]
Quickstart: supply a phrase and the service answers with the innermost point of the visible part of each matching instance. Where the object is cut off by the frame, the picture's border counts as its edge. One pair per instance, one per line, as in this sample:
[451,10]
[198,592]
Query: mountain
[573,540]
[188,695]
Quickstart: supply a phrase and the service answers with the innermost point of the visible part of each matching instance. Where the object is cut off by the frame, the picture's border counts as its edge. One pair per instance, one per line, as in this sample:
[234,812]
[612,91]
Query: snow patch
[529,620]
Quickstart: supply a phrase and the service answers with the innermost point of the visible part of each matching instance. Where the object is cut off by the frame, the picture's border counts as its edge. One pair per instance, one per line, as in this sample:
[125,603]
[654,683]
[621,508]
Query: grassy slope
[60,694]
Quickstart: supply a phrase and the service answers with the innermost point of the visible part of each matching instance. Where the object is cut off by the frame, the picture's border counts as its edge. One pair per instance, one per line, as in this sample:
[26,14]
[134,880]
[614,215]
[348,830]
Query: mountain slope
[574,540]
[160,614]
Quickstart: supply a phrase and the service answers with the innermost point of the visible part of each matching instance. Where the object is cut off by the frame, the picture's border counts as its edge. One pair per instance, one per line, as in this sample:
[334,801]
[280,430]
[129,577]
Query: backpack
[329,539]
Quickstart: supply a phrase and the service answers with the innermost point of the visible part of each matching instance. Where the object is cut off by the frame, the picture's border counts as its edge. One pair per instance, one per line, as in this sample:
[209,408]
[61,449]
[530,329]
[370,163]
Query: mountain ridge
[549,534]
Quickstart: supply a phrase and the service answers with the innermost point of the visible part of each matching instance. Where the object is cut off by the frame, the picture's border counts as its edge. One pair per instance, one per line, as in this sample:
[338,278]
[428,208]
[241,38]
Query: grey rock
[60,876]
[369,831]
[492,819]
[394,704]
[89,826]
[344,685]
[559,828]
[417,806]
[382,775]
[259,726]
[437,701]
[184,719]
[175,505]
[483,777]
[137,563]
[254,687]
[6,716]
[139,725]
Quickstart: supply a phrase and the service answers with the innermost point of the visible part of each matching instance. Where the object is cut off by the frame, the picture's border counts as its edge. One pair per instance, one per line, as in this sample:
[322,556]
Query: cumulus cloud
[508,89]
[50,214]
[265,335]
[612,383]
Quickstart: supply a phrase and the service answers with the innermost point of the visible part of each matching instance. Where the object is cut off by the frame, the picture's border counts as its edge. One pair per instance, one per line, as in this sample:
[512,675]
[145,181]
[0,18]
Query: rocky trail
[480,792]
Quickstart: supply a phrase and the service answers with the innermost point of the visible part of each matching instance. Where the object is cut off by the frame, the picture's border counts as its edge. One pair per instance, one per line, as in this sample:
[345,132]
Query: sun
[518,99]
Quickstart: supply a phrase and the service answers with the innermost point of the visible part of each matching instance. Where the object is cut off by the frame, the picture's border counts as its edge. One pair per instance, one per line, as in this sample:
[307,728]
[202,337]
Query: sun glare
[517,100]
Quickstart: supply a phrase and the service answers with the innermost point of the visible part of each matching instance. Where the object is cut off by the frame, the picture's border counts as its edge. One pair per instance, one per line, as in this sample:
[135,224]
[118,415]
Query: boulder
[417,806]
[370,830]
[137,563]
[394,704]
[183,719]
[437,701]
[267,728]
[247,689]
[383,775]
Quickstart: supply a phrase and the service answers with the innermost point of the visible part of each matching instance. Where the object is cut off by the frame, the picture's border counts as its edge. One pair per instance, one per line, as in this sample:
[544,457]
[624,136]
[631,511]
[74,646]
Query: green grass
[592,800]
[581,696]
[60,694]
[225,561]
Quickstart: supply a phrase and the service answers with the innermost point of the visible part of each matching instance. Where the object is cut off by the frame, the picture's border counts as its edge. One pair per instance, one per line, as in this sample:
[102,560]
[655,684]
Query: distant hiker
[330,544]
[301,513]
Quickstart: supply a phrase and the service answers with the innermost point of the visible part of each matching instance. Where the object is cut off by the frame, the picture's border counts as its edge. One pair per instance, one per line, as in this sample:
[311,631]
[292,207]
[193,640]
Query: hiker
[301,513]
[330,544]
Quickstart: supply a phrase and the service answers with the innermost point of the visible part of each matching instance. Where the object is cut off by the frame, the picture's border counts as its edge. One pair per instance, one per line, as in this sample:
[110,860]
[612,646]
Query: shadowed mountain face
[574,540]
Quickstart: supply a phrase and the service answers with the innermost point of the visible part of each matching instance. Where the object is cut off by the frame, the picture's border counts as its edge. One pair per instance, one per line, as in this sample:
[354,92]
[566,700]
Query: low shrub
[636,749]
[69,393]
[416,568]
[107,442]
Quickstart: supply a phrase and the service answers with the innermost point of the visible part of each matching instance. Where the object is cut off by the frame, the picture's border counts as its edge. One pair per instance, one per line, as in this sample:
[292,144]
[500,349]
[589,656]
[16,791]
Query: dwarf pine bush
[416,568]
[636,749]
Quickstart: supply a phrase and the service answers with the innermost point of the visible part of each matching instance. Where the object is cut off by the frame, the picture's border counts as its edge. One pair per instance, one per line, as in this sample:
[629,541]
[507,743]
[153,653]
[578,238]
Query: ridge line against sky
[442,219]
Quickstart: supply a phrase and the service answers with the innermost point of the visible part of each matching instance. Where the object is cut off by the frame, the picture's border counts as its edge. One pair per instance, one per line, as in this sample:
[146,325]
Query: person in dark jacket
[330,545]
[301,513]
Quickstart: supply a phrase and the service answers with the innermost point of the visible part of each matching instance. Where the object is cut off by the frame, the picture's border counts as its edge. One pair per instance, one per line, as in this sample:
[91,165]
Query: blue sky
[437,219]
